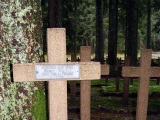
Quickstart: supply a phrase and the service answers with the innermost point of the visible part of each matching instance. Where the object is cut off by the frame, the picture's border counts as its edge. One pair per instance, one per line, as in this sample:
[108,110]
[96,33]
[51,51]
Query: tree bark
[149,24]
[55,13]
[113,31]
[75,27]
[20,42]
[99,32]
[132,30]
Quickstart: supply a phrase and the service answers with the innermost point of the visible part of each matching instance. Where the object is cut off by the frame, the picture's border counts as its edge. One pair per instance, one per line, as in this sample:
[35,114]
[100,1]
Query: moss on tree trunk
[20,42]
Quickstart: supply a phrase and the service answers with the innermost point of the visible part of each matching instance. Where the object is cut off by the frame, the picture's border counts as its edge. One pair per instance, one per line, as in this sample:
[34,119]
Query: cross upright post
[144,72]
[85,86]
[57,54]
[57,71]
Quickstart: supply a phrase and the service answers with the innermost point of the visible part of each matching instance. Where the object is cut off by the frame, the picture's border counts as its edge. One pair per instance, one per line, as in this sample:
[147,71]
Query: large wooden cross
[57,72]
[144,72]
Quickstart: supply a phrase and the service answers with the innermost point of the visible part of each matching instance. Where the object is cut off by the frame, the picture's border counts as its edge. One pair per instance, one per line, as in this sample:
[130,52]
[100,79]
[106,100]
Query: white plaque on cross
[70,71]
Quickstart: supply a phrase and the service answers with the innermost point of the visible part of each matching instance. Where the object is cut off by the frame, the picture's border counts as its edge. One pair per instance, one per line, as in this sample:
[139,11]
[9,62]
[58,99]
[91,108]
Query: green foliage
[86,20]
[114,104]
[86,27]
[132,88]
[39,108]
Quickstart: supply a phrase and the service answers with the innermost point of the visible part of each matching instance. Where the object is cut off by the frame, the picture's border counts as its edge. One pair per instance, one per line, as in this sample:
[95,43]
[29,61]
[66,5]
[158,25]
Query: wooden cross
[144,72]
[85,86]
[57,72]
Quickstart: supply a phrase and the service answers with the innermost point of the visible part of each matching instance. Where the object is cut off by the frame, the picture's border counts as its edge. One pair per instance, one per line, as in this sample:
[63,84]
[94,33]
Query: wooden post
[73,84]
[126,83]
[144,72]
[57,72]
[117,75]
[57,54]
[85,86]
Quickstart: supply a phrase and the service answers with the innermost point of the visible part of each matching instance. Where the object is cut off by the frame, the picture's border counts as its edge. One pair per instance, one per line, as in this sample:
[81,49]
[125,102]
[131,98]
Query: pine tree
[55,14]
[99,32]
[113,31]
[132,30]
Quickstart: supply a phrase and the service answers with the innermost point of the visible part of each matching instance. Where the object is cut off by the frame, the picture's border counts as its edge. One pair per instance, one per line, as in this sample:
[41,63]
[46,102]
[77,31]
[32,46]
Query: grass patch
[110,106]
[39,108]
[114,104]
[110,86]
[98,82]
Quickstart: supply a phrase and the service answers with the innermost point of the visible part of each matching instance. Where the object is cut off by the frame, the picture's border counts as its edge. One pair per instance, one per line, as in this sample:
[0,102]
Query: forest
[109,26]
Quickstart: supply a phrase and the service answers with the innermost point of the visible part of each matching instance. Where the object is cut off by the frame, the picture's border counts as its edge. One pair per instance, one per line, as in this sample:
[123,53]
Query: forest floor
[106,104]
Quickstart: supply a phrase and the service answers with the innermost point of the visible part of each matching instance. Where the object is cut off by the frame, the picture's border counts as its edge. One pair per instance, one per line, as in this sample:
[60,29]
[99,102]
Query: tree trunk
[113,31]
[55,13]
[75,28]
[99,32]
[132,30]
[21,42]
[149,25]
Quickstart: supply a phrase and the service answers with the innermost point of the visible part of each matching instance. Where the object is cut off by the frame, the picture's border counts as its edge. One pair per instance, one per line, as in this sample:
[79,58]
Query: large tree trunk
[20,42]
[99,32]
[132,30]
[113,31]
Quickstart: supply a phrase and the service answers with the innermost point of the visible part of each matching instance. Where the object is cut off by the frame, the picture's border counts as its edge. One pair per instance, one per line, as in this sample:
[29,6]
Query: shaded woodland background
[109,26]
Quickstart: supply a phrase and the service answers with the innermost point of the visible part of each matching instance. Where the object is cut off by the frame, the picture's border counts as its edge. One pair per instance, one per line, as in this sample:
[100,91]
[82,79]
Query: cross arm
[154,72]
[26,72]
[128,71]
[104,69]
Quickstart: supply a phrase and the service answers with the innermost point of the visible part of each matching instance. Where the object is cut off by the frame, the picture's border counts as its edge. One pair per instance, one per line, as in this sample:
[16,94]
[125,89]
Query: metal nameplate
[58,71]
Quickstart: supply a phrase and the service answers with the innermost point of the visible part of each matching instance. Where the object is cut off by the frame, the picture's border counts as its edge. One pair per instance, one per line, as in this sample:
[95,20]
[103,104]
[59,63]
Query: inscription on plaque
[70,71]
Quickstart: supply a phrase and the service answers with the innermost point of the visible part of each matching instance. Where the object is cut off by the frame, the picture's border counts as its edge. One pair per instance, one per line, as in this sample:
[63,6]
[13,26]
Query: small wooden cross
[57,72]
[85,86]
[144,72]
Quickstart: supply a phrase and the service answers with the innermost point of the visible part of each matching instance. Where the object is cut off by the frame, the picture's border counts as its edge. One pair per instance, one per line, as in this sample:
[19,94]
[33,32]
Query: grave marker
[73,84]
[144,72]
[85,87]
[105,69]
[57,88]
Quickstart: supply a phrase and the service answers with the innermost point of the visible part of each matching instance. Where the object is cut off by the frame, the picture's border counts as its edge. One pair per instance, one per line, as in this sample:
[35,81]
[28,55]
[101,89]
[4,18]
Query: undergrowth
[39,108]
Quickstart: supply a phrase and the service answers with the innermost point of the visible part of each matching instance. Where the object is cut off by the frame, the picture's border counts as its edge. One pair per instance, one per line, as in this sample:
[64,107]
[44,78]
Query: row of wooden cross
[84,71]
